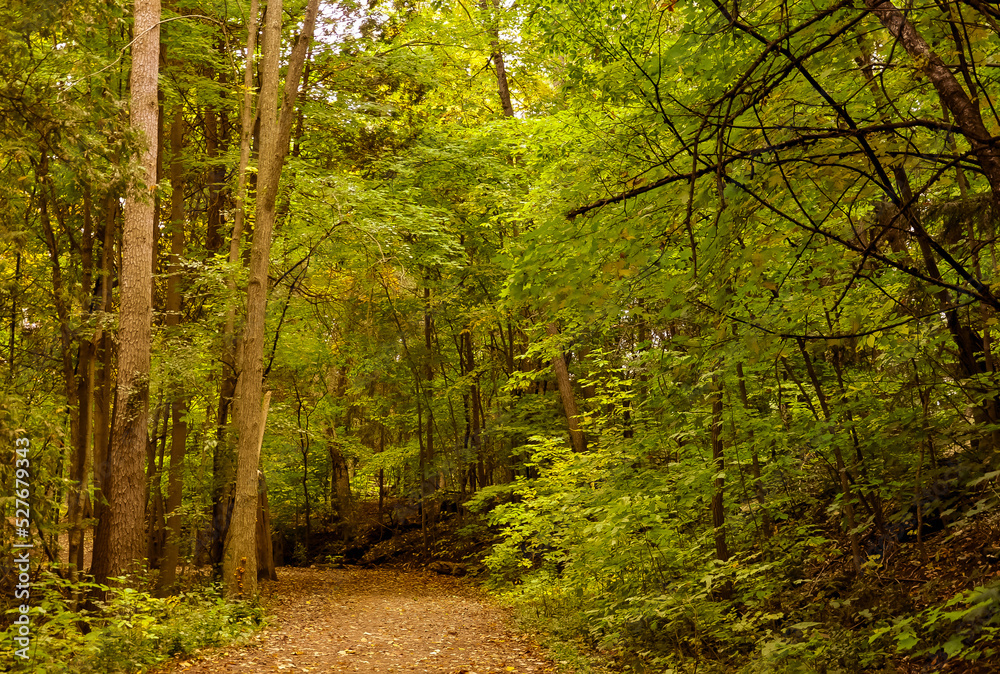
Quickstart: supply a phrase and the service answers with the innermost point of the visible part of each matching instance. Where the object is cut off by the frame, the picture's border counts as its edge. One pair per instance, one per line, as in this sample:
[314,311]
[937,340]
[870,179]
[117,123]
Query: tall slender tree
[119,540]
[239,565]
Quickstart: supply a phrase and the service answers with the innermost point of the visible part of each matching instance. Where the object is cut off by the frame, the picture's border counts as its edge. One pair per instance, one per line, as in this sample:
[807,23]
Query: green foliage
[779,357]
[965,627]
[130,631]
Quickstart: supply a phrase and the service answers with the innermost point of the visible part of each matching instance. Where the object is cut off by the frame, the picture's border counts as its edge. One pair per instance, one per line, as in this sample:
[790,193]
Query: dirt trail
[379,620]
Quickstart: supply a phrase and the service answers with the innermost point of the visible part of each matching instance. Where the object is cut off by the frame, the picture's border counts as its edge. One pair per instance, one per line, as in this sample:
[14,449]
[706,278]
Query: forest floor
[375,620]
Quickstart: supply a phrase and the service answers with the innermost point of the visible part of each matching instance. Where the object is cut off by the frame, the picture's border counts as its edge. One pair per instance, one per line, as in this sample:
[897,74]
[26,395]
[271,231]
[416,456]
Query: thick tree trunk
[118,543]
[340,482]
[239,563]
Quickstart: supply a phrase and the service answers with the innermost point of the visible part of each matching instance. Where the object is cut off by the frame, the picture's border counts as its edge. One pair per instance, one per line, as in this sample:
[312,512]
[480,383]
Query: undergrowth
[129,632]
[623,569]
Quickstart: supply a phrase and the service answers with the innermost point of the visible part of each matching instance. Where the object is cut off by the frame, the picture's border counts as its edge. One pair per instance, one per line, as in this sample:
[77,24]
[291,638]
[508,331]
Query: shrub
[129,632]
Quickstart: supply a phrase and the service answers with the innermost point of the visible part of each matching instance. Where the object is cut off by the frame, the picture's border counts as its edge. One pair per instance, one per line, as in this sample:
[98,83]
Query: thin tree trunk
[178,406]
[81,459]
[566,395]
[429,377]
[845,484]
[13,319]
[155,521]
[102,394]
[223,457]
[766,522]
[719,466]
[216,179]
[477,408]
[71,383]
[964,110]
[239,558]
[496,56]
[304,449]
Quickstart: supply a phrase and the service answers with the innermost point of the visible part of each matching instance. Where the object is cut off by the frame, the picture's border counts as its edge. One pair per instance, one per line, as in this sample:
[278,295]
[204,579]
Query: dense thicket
[697,299]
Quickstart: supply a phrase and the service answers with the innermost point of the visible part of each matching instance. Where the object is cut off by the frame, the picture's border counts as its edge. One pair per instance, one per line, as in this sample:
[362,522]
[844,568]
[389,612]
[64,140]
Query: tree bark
[102,393]
[719,481]
[85,366]
[951,93]
[76,381]
[497,57]
[265,550]
[239,559]
[178,406]
[119,539]
[566,395]
[223,459]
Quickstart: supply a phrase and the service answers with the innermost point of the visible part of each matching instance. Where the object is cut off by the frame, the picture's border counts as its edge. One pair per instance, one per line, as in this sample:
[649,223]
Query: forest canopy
[687,308]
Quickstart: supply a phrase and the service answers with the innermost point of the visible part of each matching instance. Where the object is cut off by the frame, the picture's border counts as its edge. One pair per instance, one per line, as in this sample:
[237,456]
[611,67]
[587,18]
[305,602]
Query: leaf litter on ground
[375,620]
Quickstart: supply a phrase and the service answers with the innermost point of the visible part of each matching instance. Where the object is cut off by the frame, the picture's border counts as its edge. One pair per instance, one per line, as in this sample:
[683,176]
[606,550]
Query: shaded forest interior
[672,322]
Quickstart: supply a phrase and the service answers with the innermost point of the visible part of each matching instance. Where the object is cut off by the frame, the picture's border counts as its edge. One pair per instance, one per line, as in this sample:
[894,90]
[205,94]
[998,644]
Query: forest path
[375,620]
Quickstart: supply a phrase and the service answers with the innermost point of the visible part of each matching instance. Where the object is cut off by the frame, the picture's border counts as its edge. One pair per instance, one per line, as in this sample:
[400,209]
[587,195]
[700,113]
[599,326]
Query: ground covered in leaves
[376,620]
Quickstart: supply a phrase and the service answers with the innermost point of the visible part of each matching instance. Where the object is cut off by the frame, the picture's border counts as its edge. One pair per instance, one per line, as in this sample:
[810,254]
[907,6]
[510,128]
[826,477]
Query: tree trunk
[72,385]
[178,406]
[223,458]
[964,110]
[767,524]
[304,449]
[845,482]
[475,430]
[13,319]
[341,482]
[240,550]
[155,513]
[265,550]
[102,394]
[82,455]
[566,395]
[118,542]
[429,378]
[496,56]
[719,466]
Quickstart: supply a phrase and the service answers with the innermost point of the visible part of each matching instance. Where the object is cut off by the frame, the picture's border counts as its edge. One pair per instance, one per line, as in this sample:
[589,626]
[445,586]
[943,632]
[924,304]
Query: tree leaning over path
[239,566]
[119,538]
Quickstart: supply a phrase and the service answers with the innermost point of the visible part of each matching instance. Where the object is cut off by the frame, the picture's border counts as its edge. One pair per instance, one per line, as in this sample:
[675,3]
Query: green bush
[129,632]
[966,627]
